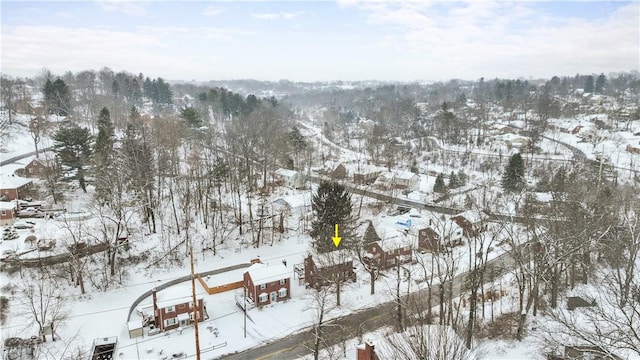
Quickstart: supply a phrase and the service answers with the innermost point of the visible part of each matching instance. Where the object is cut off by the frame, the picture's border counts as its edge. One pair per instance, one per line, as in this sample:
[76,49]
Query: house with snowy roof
[173,309]
[7,212]
[289,178]
[39,167]
[405,179]
[266,284]
[322,268]
[388,250]
[472,222]
[438,234]
[293,204]
[365,174]
[13,187]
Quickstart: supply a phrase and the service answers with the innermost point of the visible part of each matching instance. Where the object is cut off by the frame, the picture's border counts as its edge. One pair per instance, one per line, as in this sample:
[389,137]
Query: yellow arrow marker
[336,239]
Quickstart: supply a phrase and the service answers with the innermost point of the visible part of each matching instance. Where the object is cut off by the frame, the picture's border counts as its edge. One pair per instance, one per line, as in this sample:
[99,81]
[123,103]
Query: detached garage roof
[13,182]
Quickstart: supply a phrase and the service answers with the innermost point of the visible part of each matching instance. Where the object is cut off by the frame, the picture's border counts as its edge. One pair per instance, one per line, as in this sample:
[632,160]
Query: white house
[405,179]
[290,178]
[298,204]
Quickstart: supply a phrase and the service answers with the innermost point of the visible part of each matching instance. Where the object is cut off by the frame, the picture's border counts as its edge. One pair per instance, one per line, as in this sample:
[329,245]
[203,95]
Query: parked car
[23,225]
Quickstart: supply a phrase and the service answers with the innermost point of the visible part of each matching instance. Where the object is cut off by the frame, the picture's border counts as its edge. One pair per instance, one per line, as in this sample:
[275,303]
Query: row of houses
[392,248]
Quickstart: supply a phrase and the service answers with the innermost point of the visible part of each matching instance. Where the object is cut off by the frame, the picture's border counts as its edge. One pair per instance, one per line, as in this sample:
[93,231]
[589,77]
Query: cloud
[212,11]
[275,16]
[484,38]
[28,48]
[63,15]
[200,32]
[129,8]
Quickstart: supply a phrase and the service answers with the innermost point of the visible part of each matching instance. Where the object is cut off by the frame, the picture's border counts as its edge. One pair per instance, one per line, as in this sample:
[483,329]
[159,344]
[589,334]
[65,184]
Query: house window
[282,292]
[169,309]
[374,250]
[283,281]
[263,286]
[263,297]
[171,321]
[4,213]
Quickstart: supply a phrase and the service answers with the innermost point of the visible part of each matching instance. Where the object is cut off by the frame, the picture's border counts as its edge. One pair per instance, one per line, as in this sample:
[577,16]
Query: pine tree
[103,154]
[588,84]
[600,83]
[331,205]
[462,178]
[513,177]
[439,186]
[73,147]
[453,180]
[192,117]
[297,142]
[57,97]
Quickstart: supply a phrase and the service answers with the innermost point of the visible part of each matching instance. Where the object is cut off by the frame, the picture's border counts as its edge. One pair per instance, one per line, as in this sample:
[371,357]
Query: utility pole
[195,305]
[245,310]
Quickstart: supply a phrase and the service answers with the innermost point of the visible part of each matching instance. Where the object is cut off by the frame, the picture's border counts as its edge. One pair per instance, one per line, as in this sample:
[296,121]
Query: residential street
[300,344]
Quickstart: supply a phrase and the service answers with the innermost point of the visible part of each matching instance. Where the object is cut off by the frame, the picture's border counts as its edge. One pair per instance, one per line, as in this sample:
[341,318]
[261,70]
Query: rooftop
[7,205]
[12,181]
[286,172]
[262,273]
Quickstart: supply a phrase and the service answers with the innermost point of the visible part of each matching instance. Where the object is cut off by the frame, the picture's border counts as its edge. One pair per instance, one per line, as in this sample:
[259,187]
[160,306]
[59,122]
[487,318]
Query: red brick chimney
[155,305]
[366,351]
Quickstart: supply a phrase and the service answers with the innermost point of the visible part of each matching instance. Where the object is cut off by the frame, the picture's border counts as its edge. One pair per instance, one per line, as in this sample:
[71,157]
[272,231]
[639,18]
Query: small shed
[135,328]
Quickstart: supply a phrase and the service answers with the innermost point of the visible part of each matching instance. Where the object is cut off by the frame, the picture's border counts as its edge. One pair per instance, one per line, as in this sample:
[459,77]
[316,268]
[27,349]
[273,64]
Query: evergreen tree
[439,187]
[103,155]
[600,84]
[192,117]
[73,147]
[462,178]
[453,180]
[57,97]
[331,205]
[588,84]
[513,177]
[297,142]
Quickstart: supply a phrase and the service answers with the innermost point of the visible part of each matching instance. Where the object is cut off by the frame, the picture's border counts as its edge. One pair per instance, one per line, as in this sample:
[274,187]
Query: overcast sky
[323,40]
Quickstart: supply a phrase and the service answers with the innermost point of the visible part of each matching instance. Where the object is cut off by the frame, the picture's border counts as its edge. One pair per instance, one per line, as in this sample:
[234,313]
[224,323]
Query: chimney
[366,351]
[155,302]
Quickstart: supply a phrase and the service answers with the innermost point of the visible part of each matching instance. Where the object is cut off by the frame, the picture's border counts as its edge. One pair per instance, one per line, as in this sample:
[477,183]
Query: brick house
[437,235]
[635,149]
[387,251]
[14,187]
[267,284]
[429,240]
[175,312]
[7,212]
[38,168]
[339,172]
[472,222]
[390,251]
[320,268]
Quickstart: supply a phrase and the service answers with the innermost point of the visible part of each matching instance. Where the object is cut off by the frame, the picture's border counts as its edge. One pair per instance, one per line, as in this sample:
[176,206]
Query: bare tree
[45,301]
[320,304]
[425,342]
[8,91]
